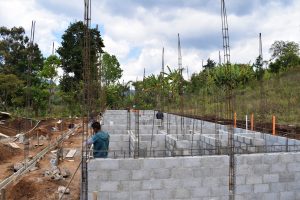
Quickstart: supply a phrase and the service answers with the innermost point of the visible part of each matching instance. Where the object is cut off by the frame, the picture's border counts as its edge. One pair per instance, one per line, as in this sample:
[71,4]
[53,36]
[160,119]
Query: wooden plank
[14,145]
[71,153]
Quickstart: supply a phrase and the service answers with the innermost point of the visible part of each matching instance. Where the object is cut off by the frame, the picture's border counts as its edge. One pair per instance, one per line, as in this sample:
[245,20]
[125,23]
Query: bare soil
[34,185]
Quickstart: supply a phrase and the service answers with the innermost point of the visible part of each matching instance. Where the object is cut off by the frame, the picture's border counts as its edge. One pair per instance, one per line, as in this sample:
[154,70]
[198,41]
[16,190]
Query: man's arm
[90,141]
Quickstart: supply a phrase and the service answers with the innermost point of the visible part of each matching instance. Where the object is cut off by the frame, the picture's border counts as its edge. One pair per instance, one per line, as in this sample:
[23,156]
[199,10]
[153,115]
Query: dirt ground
[34,185]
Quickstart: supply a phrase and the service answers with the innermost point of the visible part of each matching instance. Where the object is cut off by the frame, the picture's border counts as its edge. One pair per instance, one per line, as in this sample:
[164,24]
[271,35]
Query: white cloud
[133,24]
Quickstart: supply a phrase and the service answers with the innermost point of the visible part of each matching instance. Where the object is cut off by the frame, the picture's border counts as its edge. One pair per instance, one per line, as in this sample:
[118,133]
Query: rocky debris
[63,190]
[56,173]
[18,166]
[65,172]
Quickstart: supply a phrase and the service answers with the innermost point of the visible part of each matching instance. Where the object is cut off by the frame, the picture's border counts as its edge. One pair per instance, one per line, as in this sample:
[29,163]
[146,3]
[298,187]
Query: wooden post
[95,195]
[273,125]
[252,121]
[234,122]
[2,194]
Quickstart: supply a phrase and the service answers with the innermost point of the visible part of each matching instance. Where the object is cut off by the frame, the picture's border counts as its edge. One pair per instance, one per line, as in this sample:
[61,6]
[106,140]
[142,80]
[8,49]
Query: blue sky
[137,30]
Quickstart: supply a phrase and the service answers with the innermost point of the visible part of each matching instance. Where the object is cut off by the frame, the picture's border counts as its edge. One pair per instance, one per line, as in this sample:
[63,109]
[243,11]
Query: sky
[137,30]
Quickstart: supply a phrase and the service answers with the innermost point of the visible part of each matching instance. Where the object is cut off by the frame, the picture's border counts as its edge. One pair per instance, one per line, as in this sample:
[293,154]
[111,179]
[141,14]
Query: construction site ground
[35,185]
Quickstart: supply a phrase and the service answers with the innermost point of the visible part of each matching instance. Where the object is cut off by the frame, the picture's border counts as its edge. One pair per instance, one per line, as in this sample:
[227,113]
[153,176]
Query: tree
[111,69]
[9,85]
[71,54]
[48,74]
[210,64]
[16,52]
[285,54]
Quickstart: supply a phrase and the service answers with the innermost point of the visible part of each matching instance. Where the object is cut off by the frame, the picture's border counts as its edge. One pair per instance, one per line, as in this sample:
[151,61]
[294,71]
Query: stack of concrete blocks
[248,144]
[198,178]
[212,144]
[272,176]
[182,145]
[118,146]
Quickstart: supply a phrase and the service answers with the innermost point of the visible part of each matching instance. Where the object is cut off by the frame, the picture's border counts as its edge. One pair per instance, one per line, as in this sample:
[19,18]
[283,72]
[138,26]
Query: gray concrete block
[172,183]
[131,164]
[270,178]
[261,188]
[270,158]
[182,193]
[287,196]
[253,179]
[270,196]
[161,173]
[261,169]
[286,157]
[240,179]
[154,163]
[277,187]
[181,173]
[220,191]
[141,195]
[244,189]
[278,167]
[120,175]
[119,195]
[108,186]
[293,167]
[152,184]
[161,194]
[200,192]
[103,164]
[286,177]
[141,175]
[135,185]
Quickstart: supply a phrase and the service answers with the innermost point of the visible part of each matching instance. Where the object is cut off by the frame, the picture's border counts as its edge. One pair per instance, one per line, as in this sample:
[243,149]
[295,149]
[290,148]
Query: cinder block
[119,195]
[200,192]
[270,158]
[141,195]
[141,175]
[152,184]
[154,163]
[181,173]
[270,178]
[271,196]
[261,169]
[120,175]
[286,177]
[244,169]
[253,179]
[244,189]
[191,162]
[293,186]
[172,183]
[287,196]
[111,164]
[220,191]
[135,185]
[108,186]
[161,194]
[261,188]
[254,159]
[293,167]
[161,173]
[240,180]
[182,193]
[278,187]
[278,167]
[130,164]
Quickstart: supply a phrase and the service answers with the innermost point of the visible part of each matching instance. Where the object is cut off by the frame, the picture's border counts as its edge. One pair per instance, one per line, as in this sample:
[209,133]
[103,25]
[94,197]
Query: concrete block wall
[160,178]
[118,145]
[182,145]
[273,176]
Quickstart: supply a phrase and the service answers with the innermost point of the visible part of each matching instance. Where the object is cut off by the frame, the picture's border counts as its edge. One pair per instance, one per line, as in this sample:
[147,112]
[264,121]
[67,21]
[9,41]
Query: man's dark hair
[96,125]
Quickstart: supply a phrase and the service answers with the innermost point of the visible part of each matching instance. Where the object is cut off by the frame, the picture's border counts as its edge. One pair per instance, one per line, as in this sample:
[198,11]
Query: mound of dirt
[23,190]
[7,152]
